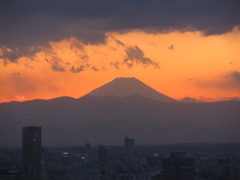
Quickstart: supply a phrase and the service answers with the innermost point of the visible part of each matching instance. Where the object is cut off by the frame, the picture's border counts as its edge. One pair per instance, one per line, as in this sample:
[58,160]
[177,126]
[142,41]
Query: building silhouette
[88,151]
[178,167]
[11,175]
[102,155]
[129,146]
[32,152]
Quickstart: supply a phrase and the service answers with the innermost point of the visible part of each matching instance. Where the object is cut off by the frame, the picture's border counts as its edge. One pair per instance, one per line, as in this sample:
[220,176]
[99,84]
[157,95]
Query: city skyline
[165,162]
[120,89]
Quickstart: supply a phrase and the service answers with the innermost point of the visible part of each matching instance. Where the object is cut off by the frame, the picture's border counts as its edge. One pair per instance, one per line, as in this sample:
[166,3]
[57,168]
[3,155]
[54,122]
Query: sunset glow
[188,64]
[184,49]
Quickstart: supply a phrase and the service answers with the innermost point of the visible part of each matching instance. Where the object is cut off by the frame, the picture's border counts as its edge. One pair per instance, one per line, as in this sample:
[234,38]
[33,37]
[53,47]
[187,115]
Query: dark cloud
[234,98]
[56,64]
[190,100]
[134,55]
[199,99]
[204,99]
[120,43]
[16,73]
[191,79]
[171,47]
[235,75]
[79,69]
[57,67]
[94,68]
[75,47]
[26,23]
[116,64]
[84,57]
[14,54]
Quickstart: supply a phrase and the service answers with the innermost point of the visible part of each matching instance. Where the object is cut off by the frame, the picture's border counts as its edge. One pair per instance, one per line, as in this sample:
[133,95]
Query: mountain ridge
[109,119]
[123,87]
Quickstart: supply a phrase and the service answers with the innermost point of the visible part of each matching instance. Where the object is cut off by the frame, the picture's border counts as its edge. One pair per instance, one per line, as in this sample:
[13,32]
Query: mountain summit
[123,87]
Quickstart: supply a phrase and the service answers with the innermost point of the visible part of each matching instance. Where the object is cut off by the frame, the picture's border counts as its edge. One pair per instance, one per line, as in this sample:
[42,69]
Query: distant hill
[122,87]
[108,119]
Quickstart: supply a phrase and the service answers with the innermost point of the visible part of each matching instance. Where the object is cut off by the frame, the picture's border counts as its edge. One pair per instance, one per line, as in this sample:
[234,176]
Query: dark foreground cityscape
[126,162]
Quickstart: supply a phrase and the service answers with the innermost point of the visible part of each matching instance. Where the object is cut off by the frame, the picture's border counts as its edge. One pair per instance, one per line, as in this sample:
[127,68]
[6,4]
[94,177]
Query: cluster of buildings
[108,163]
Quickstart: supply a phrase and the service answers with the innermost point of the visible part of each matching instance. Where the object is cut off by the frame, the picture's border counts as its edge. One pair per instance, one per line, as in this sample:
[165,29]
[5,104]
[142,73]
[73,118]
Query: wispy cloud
[12,55]
[134,55]
[171,47]
[119,42]
[79,69]
[235,75]
[190,100]
[16,73]
[116,65]
[94,68]
[56,64]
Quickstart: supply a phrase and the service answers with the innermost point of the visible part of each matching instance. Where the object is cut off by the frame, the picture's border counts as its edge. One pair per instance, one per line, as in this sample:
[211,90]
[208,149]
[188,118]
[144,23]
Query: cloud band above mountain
[27,23]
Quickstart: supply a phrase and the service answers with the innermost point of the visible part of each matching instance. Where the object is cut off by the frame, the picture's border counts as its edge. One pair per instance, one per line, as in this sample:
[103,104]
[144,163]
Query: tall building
[102,155]
[88,152]
[129,145]
[11,175]
[32,152]
[178,167]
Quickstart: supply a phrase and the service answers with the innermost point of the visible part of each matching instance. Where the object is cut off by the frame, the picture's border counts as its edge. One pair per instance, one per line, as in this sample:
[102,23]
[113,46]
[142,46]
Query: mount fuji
[123,87]
[120,108]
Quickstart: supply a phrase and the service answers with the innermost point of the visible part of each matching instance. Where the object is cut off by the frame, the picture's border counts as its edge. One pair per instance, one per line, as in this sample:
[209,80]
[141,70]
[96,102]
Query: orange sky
[174,63]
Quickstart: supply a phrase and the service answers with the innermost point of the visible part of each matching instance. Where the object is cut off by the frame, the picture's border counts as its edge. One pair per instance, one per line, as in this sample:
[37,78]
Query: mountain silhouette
[123,87]
[108,119]
[124,106]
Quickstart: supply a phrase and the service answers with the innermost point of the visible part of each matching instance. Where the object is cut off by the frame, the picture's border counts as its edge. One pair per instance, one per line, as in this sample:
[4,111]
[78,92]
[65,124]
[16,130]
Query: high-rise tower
[178,167]
[102,155]
[88,150]
[129,145]
[32,152]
